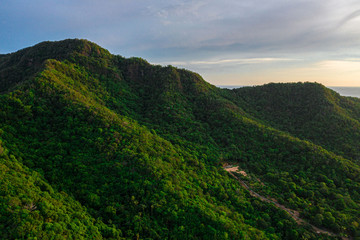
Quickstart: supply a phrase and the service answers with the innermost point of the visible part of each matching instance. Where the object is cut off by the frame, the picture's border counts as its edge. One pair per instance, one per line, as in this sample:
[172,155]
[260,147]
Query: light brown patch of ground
[230,168]
[294,214]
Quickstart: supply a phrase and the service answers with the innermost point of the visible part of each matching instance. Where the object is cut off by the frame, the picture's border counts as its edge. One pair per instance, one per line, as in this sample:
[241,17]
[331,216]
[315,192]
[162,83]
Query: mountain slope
[275,157]
[31,208]
[135,181]
[139,147]
[309,111]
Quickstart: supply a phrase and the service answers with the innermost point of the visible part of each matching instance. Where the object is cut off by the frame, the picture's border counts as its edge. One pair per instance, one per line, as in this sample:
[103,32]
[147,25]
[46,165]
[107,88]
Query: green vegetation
[308,111]
[96,146]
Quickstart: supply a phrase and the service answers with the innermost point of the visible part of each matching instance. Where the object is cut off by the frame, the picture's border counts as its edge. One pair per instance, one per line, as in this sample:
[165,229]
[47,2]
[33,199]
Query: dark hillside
[309,111]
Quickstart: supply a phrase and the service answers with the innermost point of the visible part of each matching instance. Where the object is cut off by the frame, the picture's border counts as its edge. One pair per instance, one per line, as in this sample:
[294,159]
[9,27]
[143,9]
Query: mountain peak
[23,64]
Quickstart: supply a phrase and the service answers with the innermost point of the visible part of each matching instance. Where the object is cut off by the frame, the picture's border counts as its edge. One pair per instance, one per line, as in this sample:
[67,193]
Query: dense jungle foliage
[97,146]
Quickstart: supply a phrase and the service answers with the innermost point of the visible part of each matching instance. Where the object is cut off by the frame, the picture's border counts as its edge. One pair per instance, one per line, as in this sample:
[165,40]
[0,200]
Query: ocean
[343,91]
[347,91]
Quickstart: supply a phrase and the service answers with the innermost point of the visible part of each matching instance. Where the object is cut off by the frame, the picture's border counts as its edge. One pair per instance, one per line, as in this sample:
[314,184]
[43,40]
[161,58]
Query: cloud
[348,18]
[250,26]
[341,66]
[233,61]
[328,72]
[187,25]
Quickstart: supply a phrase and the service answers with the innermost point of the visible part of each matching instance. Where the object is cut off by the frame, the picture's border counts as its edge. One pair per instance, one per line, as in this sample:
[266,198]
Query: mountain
[308,111]
[94,145]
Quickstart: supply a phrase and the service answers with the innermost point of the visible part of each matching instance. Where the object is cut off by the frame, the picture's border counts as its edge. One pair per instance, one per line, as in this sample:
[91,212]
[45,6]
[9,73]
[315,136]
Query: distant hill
[94,145]
[343,91]
[308,111]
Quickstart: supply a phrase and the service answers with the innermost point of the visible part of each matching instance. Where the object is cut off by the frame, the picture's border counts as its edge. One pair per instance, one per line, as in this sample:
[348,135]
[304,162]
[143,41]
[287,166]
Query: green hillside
[94,145]
[308,111]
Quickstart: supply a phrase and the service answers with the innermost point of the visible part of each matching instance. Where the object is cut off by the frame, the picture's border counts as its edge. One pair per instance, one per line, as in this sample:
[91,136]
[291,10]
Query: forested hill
[309,111]
[97,146]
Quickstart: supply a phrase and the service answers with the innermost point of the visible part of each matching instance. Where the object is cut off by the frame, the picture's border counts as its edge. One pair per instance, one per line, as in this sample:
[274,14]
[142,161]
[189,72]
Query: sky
[228,42]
